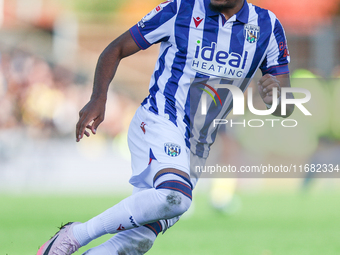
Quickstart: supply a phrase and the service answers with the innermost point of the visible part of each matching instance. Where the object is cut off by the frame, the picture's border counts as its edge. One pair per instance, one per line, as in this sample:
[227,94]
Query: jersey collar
[241,16]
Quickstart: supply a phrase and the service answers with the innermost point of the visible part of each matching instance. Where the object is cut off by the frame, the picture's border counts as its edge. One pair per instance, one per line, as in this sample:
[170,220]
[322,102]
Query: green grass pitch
[267,224]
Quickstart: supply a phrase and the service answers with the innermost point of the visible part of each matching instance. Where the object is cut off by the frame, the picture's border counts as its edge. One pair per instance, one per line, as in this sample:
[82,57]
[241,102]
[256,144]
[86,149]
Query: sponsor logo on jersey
[212,61]
[252,33]
[172,149]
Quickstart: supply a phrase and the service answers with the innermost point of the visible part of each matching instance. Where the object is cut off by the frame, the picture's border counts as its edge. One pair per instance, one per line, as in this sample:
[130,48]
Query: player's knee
[174,203]
[176,198]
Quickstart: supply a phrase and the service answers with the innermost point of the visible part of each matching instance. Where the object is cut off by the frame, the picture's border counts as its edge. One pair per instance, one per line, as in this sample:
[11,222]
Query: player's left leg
[169,198]
[138,241]
[135,241]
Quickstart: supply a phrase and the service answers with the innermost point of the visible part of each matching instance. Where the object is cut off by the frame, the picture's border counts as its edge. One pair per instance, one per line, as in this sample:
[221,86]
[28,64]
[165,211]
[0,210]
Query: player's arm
[265,87]
[106,68]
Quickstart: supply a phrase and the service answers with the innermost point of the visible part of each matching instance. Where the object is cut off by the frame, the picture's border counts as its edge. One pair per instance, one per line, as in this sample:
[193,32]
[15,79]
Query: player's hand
[94,111]
[265,87]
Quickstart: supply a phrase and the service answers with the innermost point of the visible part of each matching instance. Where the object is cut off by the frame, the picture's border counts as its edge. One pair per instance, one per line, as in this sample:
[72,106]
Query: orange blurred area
[301,16]
[132,11]
[40,13]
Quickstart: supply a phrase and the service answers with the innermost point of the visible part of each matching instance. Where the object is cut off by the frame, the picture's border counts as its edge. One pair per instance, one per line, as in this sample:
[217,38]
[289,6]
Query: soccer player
[201,42]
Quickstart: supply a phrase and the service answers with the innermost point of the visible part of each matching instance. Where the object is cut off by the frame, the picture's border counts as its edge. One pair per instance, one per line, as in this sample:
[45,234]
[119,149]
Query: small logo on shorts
[142,126]
[172,150]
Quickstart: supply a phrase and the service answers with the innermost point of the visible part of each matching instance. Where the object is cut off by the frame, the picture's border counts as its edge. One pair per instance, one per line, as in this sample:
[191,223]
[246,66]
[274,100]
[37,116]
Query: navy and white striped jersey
[198,44]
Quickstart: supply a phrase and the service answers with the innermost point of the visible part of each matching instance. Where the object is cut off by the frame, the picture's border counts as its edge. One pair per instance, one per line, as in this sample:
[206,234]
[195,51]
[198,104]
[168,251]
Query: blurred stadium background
[48,52]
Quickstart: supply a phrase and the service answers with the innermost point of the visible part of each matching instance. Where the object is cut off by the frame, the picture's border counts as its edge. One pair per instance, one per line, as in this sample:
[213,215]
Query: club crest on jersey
[172,149]
[252,33]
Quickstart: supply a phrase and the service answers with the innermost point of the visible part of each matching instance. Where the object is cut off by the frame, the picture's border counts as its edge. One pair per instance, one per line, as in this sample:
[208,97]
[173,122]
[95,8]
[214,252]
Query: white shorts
[155,143]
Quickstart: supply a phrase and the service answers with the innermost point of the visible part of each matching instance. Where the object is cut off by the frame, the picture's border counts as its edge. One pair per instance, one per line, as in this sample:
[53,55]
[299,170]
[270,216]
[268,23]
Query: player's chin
[219,5]
[221,2]
[216,3]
